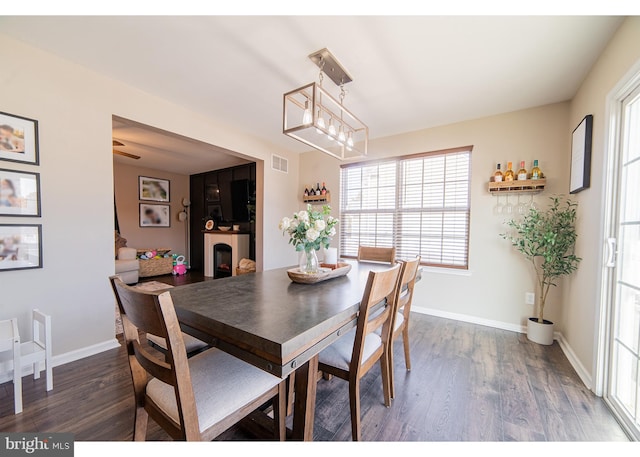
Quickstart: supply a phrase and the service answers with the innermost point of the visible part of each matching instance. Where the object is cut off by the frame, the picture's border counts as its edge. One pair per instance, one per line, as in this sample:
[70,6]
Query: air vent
[279,163]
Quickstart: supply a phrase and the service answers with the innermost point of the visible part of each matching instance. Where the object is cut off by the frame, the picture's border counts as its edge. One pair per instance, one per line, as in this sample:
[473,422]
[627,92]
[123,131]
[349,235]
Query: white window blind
[420,204]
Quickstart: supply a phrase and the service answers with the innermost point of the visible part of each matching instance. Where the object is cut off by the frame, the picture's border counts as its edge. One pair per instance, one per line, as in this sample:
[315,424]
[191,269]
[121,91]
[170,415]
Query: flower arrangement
[309,230]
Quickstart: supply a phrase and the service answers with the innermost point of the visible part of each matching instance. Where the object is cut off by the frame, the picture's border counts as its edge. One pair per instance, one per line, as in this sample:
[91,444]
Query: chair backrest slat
[376,254]
[407,283]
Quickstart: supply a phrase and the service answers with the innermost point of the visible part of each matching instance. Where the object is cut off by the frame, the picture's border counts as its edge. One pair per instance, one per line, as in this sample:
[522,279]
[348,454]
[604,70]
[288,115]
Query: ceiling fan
[117,143]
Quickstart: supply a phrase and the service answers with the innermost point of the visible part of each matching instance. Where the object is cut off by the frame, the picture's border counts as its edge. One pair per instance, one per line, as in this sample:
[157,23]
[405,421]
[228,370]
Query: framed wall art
[153,215]
[581,155]
[18,139]
[20,246]
[19,193]
[153,189]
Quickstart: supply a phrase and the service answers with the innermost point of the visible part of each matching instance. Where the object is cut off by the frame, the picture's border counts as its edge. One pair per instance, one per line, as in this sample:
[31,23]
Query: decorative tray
[326,272]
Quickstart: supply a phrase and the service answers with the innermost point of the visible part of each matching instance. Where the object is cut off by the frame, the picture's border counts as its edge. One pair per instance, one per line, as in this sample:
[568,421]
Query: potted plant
[547,239]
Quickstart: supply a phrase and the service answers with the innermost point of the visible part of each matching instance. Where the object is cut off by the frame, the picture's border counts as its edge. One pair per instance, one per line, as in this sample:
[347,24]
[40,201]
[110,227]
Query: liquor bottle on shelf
[508,175]
[522,172]
[497,176]
[323,191]
[312,192]
[318,190]
[306,191]
[536,173]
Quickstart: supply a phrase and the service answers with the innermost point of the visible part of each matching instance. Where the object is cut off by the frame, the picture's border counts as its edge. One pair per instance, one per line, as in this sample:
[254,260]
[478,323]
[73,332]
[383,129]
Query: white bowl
[224,229]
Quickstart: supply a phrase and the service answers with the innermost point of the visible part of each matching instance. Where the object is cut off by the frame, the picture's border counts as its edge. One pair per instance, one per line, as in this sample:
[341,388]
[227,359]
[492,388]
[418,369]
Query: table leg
[305,400]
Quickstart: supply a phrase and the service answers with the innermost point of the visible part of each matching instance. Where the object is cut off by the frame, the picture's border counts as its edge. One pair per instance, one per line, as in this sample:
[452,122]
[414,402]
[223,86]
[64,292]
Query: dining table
[276,324]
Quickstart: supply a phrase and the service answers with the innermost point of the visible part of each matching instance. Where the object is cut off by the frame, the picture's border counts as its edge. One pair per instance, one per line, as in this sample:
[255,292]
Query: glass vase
[309,262]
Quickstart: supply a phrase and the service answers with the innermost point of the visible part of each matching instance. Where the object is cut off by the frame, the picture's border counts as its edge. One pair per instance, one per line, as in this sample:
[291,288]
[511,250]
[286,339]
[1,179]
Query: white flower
[303,216]
[310,229]
[285,223]
[312,234]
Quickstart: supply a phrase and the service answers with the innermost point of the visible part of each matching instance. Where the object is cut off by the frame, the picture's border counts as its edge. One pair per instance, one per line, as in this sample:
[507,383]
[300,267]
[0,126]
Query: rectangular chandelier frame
[306,108]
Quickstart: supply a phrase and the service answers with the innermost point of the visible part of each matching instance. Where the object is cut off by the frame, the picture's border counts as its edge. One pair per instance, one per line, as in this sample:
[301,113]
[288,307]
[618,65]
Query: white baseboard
[583,374]
[6,363]
[469,319]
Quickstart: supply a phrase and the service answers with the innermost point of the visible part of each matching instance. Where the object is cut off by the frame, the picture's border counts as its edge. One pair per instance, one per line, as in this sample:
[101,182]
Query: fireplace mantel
[239,243]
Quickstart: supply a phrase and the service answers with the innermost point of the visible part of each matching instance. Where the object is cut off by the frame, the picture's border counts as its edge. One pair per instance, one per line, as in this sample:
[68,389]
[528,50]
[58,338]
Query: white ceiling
[409,72]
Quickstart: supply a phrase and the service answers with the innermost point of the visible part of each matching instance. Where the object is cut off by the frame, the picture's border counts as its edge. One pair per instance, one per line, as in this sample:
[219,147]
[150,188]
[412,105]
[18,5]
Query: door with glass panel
[623,390]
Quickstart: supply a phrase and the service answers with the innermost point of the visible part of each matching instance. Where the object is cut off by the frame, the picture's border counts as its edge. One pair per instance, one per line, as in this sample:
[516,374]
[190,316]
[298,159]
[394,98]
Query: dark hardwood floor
[468,383]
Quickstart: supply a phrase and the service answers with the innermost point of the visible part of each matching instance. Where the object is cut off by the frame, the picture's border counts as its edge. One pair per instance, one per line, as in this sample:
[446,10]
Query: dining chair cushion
[222,384]
[339,353]
[191,343]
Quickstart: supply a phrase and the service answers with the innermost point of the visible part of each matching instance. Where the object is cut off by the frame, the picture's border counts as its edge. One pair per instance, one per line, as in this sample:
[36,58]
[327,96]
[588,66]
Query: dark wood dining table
[275,324]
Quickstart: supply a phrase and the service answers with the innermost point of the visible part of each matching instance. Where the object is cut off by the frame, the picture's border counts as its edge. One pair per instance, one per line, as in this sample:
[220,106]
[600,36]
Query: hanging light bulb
[350,142]
[332,129]
[341,137]
[320,122]
[307,117]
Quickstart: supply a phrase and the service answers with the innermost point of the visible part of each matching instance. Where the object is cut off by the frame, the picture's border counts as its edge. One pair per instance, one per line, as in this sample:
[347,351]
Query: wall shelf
[317,199]
[526,186]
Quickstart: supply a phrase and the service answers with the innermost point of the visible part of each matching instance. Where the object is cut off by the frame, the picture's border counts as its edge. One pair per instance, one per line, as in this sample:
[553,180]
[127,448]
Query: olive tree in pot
[547,239]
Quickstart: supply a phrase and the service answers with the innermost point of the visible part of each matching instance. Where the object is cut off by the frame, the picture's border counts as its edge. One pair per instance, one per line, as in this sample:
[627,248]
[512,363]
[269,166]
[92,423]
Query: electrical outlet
[530,298]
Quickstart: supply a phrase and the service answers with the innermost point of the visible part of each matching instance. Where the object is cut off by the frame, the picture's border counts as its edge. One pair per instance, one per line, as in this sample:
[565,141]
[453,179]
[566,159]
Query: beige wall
[492,290]
[125,181]
[74,107]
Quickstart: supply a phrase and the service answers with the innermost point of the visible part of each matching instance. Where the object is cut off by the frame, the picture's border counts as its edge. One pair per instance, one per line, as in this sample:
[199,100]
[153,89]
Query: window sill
[446,271]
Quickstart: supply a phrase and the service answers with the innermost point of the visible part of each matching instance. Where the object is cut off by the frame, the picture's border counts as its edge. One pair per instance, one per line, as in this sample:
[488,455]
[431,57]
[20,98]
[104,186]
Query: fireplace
[223,252]
[222,260]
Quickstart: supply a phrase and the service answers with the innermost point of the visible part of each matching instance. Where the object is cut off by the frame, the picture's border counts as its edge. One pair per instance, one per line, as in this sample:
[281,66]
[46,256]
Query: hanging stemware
[498,208]
[508,207]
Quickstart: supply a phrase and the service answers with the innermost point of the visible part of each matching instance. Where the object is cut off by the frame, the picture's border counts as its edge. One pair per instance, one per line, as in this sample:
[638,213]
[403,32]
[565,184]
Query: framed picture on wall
[581,155]
[152,215]
[153,189]
[20,246]
[19,193]
[18,139]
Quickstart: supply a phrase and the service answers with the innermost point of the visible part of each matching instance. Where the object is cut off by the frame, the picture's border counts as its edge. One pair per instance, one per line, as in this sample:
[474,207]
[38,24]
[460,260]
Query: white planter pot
[540,333]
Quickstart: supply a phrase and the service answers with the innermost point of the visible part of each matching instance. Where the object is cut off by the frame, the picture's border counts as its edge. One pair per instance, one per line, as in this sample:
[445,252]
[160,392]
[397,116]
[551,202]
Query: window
[420,204]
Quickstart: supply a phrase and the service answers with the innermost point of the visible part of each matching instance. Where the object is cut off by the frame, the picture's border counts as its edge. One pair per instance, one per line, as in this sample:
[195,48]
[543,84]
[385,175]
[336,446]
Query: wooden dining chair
[194,398]
[400,319]
[353,355]
[376,254]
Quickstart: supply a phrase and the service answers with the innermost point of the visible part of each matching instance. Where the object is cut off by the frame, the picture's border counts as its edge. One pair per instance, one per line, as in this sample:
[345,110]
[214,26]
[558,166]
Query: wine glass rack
[317,199]
[516,187]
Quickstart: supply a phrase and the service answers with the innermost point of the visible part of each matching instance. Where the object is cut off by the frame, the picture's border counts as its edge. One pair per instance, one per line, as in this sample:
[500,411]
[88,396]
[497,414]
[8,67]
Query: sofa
[127,265]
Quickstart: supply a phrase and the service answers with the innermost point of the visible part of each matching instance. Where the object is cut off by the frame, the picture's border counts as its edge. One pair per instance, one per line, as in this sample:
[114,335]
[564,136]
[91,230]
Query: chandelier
[313,116]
